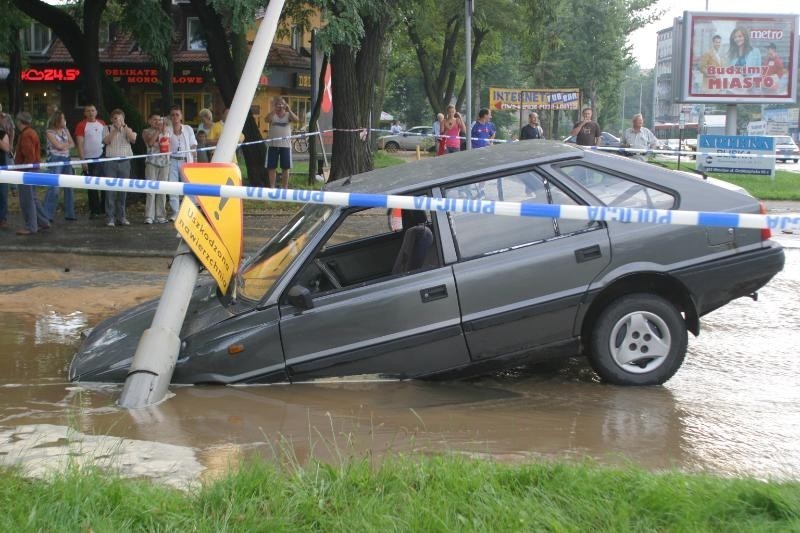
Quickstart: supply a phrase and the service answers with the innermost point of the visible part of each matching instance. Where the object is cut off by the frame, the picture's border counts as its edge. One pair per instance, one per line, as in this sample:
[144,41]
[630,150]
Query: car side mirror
[300,297]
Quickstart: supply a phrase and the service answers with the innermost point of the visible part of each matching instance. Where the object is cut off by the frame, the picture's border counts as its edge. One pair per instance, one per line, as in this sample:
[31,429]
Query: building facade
[52,81]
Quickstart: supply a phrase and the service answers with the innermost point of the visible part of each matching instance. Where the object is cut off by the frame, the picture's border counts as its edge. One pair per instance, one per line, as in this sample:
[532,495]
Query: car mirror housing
[300,297]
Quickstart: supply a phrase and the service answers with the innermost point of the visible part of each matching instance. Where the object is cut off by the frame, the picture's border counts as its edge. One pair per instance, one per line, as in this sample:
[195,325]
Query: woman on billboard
[740,53]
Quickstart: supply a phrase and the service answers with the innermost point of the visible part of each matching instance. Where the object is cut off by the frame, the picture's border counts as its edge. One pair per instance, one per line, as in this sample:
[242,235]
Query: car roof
[432,171]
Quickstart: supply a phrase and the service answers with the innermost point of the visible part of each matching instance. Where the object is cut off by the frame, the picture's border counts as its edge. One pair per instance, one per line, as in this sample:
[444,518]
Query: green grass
[785,186]
[405,494]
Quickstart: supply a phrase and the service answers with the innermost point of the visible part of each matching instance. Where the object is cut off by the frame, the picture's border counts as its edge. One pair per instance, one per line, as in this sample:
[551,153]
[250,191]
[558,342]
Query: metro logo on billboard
[739,58]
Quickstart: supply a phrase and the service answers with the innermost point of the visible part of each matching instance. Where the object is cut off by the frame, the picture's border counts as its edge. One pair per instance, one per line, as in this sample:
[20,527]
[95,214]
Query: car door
[521,280]
[372,321]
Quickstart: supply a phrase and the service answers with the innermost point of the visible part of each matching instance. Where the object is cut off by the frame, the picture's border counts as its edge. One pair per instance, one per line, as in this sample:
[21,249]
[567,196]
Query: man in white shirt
[182,144]
[639,137]
[89,138]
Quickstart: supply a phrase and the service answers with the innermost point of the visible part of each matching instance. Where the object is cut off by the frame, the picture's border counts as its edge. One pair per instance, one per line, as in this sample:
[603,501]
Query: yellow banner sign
[205,243]
[509,99]
[224,214]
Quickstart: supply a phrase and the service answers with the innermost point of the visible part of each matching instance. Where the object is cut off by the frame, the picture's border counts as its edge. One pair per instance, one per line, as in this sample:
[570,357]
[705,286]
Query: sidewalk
[92,237]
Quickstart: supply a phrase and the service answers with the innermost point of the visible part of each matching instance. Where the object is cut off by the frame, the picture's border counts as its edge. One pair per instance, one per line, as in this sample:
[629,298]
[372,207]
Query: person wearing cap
[29,151]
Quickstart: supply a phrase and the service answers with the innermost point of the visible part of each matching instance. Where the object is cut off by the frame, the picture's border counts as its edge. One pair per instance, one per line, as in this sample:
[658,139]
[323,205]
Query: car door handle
[433,293]
[587,254]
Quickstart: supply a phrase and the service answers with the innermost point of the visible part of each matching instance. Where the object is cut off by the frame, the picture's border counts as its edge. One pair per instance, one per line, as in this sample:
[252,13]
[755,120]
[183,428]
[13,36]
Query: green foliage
[151,26]
[405,493]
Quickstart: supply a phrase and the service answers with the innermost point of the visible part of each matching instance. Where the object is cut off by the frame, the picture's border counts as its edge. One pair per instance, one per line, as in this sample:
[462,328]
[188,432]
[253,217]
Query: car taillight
[766,233]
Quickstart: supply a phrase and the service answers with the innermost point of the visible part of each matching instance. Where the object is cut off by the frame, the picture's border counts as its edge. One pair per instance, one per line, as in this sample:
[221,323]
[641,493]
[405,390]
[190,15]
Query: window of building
[297,37]
[104,35]
[190,103]
[35,38]
[194,34]
[301,105]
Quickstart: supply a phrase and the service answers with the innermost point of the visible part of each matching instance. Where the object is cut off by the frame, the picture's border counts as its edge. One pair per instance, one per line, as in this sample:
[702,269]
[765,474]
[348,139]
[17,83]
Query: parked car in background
[337,293]
[606,139]
[786,149]
[421,136]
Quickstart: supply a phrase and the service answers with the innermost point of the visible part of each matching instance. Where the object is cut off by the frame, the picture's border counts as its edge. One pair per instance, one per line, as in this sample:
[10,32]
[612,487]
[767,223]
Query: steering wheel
[328,273]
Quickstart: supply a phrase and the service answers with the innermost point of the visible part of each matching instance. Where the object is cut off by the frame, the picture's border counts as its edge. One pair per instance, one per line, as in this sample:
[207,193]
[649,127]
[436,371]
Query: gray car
[336,292]
[421,136]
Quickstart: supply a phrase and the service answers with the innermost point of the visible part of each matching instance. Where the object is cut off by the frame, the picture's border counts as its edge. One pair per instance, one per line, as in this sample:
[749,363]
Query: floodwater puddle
[731,409]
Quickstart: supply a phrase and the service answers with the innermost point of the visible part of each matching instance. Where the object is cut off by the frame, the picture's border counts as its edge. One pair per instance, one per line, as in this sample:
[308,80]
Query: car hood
[108,350]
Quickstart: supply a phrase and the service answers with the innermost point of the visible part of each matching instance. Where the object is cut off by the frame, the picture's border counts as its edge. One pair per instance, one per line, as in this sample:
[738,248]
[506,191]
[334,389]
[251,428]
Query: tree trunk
[353,81]
[167,89]
[218,47]
[83,45]
[14,76]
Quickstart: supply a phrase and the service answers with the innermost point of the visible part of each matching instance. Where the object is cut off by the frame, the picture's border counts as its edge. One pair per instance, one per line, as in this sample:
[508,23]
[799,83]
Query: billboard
[508,99]
[739,58]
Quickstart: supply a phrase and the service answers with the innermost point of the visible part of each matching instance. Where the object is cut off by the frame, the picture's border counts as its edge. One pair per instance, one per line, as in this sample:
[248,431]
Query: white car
[786,149]
[421,136]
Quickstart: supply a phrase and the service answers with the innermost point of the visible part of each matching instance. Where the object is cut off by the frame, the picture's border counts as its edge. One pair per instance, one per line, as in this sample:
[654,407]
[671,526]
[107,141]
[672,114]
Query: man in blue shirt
[483,130]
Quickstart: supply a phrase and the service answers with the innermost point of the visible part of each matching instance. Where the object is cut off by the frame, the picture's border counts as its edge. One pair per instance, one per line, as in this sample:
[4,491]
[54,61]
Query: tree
[224,24]
[81,40]
[598,55]
[435,31]
[10,25]
[354,37]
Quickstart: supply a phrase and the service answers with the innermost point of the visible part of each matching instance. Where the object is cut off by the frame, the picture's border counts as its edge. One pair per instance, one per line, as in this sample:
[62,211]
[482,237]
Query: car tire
[639,339]
[391,147]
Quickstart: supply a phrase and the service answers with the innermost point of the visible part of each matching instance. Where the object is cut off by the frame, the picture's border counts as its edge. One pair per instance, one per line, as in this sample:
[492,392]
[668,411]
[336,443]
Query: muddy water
[733,408]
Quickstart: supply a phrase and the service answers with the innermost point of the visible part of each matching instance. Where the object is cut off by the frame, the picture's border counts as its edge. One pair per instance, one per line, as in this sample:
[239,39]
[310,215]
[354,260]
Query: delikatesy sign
[736,154]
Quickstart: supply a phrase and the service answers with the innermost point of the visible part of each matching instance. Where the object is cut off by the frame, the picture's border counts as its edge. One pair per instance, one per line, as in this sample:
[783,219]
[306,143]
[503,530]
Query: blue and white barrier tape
[36,166]
[488,207]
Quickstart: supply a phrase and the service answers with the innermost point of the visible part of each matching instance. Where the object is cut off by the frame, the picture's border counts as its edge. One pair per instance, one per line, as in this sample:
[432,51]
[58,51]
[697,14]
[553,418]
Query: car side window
[616,191]
[368,246]
[477,235]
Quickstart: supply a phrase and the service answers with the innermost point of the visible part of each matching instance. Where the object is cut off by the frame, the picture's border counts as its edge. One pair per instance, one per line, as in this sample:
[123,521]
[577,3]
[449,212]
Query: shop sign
[505,99]
[50,74]
[736,154]
[302,81]
[150,76]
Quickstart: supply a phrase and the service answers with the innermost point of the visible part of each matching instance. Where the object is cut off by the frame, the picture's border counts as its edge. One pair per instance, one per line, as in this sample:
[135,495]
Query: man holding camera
[279,149]
[118,138]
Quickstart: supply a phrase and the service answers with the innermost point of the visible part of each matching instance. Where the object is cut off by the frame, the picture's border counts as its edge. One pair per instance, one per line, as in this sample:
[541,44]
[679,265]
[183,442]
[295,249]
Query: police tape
[455,205]
[76,162]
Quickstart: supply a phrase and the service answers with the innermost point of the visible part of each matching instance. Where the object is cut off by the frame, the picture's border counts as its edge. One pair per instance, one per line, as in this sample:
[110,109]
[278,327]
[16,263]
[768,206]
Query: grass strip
[405,493]
[785,186]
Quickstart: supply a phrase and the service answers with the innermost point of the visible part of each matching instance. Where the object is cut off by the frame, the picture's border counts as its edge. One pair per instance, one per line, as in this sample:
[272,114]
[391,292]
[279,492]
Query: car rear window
[616,191]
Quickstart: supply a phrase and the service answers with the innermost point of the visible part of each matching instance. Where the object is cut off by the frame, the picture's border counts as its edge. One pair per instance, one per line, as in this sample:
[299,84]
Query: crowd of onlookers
[105,149]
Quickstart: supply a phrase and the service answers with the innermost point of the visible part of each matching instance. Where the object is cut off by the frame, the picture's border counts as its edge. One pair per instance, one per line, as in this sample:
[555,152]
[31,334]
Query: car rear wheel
[391,146]
[639,339]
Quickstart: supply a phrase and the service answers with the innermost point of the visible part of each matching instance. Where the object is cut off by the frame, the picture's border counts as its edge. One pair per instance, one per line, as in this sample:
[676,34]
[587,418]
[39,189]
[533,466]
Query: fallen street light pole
[154,360]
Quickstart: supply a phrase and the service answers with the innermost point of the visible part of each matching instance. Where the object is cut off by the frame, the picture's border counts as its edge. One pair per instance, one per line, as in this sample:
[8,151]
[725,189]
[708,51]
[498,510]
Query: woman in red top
[29,152]
[452,128]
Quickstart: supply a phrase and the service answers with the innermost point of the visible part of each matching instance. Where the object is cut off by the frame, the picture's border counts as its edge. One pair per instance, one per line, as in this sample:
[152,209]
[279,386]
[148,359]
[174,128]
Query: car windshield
[258,275]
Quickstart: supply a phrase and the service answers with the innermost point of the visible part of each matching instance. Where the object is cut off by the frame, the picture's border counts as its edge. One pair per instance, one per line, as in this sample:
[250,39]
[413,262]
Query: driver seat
[417,241]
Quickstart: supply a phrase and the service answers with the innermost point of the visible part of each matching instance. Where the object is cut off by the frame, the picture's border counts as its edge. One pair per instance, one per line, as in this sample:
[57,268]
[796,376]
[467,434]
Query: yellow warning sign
[224,214]
[205,243]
